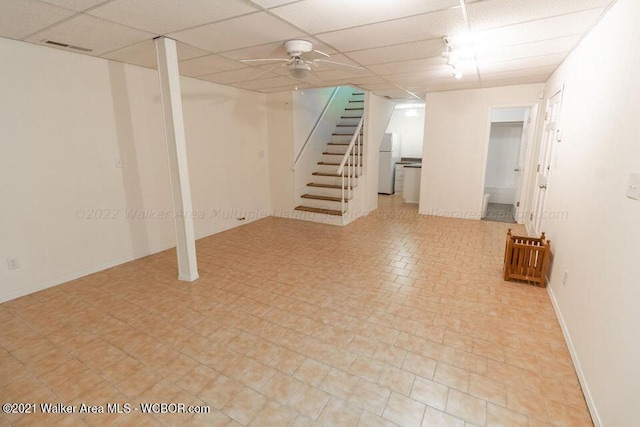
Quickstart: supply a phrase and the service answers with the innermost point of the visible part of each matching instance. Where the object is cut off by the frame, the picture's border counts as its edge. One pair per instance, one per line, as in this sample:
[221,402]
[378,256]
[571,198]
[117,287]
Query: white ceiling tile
[319,16]
[526,72]
[272,3]
[165,16]
[543,29]
[416,28]
[287,88]
[18,19]
[516,81]
[523,63]
[498,13]
[337,73]
[442,86]
[393,93]
[379,86]
[399,52]
[235,76]
[409,66]
[75,4]
[267,83]
[258,28]
[92,33]
[525,50]
[144,54]
[208,65]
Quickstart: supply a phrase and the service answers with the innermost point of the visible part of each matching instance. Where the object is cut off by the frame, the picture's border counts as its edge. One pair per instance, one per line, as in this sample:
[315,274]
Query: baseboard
[188,277]
[79,273]
[576,362]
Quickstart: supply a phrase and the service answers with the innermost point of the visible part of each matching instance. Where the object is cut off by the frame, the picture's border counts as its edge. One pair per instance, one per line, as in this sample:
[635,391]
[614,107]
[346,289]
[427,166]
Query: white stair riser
[333,180]
[327,168]
[322,204]
[340,148]
[329,192]
[332,159]
[341,138]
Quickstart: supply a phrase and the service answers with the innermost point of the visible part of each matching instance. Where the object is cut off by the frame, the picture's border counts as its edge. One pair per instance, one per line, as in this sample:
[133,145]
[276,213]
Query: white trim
[574,357]
[188,277]
[80,273]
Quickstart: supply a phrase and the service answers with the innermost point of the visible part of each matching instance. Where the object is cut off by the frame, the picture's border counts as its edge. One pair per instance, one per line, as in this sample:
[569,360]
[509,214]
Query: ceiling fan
[301,60]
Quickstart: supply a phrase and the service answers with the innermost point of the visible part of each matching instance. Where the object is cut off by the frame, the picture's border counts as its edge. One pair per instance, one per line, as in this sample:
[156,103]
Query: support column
[177,154]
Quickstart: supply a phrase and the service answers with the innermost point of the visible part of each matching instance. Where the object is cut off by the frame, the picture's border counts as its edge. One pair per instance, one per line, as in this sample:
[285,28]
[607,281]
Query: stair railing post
[342,198]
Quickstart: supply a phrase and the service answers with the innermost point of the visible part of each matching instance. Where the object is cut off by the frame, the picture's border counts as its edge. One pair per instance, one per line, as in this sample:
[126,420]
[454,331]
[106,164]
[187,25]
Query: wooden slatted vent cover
[527,258]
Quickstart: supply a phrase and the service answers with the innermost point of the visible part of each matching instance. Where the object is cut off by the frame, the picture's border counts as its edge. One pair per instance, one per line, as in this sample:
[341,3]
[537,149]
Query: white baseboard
[574,357]
[79,273]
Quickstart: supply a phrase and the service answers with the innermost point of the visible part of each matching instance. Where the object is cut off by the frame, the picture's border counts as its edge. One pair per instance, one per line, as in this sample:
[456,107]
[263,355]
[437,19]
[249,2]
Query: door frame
[534,225]
[532,137]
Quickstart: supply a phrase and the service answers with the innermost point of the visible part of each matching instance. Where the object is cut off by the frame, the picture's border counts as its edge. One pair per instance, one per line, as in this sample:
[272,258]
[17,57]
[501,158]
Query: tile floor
[394,320]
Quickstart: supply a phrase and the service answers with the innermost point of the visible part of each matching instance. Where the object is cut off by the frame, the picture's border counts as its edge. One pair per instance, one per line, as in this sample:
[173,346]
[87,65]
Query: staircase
[332,185]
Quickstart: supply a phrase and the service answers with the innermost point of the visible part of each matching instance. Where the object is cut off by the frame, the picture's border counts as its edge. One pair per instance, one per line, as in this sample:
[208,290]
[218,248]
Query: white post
[170,95]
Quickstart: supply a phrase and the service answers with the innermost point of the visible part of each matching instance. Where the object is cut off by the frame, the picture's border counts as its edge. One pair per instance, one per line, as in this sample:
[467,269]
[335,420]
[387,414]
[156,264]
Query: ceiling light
[299,70]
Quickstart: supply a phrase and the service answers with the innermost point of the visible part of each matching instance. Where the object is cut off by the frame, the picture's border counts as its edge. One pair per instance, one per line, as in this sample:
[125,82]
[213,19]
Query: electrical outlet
[13,263]
[565,276]
[633,188]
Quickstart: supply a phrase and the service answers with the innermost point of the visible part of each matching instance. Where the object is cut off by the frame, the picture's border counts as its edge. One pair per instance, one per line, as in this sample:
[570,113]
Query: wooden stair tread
[350,117]
[343,134]
[352,109]
[342,143]
[326,198]
[334,186]
[336,154]
[362,100]
[318,210]
[329,164]
[346,126]
[326,174]
[356,94]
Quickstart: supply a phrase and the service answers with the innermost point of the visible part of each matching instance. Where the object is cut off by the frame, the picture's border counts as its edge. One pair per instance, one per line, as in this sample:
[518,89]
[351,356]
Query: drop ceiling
[398,43]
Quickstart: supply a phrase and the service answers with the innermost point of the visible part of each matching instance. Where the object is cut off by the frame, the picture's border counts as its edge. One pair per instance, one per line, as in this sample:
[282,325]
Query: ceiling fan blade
[265,60]
[339,63]
[322,53]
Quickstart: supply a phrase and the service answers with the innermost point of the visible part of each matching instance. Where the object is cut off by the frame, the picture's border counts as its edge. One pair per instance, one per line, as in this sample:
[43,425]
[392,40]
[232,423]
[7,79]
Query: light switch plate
[633,188]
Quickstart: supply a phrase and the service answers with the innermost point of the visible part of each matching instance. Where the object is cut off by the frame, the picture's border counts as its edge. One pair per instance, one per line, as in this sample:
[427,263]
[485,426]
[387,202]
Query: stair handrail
[352,159]
[324,111]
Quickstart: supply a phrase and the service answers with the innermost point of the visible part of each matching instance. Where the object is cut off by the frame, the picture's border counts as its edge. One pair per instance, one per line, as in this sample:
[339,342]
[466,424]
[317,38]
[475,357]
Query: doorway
[507,151]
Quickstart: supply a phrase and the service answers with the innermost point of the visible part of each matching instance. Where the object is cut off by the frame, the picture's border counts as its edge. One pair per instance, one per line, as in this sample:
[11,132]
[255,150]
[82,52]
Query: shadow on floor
[499,212]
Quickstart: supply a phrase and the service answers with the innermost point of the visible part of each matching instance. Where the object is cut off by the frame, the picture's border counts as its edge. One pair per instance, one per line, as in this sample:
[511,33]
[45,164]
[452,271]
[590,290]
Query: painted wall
[280,142]
[455,146]
[504,152]
[597,244]
[508,115]
[66,119]
[307,107]
[411,131]
[378,112]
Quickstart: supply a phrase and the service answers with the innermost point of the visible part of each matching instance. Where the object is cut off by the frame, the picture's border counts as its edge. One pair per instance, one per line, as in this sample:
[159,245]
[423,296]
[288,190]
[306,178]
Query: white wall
[504,152]
[307,107]
[411,131]
[378,112]
[598,242]
[455,146]
[508,115]
[65,119]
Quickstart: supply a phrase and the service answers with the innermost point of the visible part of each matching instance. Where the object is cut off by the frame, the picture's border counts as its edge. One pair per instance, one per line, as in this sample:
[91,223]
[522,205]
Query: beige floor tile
[337,412]
[498,416]
[370,396]
[285,316]
[309,401]
[245,406]
[467,407]
[404,411]
[430,393]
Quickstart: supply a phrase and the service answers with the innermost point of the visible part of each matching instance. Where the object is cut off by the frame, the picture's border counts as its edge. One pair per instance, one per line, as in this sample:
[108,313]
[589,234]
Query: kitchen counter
[412,178]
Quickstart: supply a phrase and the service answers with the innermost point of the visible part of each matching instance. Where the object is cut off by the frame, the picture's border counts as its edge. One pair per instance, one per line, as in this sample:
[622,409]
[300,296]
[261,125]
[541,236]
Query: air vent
[82,49]
[56,43]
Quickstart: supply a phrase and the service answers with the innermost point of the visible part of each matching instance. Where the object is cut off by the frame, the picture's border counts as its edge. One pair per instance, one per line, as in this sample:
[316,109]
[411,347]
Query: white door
[550,137]
[528,133]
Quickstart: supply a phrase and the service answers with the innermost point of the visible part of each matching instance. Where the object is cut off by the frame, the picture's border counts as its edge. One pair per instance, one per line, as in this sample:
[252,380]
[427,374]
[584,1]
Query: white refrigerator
[389,156]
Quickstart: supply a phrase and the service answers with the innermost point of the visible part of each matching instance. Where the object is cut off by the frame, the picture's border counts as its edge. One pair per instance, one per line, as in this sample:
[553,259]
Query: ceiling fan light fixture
[299,70]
